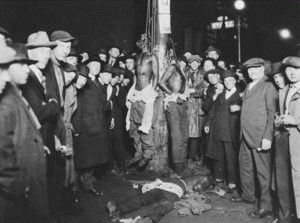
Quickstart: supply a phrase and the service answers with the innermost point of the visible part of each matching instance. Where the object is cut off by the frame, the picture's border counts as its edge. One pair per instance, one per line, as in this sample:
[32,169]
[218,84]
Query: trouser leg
[231,162]
[219,165]
[247,171]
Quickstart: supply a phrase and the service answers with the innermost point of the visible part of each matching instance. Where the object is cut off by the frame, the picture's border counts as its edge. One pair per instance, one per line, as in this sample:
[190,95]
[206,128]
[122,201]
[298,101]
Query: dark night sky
[100,23]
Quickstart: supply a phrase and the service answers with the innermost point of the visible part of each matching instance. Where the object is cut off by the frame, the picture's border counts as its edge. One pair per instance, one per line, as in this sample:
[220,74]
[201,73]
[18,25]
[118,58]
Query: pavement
[119,188]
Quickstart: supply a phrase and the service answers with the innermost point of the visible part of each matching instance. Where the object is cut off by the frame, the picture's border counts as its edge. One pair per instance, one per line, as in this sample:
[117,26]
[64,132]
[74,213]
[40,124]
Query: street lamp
[285,33]
[239,5]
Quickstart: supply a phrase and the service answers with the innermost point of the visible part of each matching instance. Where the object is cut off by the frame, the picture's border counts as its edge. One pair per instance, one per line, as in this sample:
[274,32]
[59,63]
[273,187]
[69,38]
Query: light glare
[239,4]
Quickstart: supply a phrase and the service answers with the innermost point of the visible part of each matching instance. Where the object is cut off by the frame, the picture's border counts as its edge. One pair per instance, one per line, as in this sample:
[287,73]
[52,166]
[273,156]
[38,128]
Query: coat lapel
[254,89]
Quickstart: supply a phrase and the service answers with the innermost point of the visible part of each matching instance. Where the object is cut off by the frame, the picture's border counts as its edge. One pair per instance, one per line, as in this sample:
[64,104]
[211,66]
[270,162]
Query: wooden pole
[159,163]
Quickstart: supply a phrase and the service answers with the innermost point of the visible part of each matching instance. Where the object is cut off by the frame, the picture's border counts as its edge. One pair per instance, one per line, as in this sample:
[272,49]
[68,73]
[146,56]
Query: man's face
[73,60]
[293,74]
[40,54]
[121,78]
[213,54]
[222,64]
[256,73]
[105,77]
[194,65]
[114,80]
[80,82]
[94,67]
[18,73]
[126,81]
[114,52]
[62,50]
[213,78]
[103,57]
[130,64]
[279,80]
[208,65]
[229,82]
[4,78]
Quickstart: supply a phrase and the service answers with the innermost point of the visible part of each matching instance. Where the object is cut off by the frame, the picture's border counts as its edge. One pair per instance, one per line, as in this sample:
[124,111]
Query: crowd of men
[64,114]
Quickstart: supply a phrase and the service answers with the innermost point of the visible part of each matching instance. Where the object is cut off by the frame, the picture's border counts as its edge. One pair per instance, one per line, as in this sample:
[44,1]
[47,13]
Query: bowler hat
[61,35]
[194,58]
[212,48]
[39,39]
[213,71]
[291,61]
[20,56]
[276,68]
[254,62]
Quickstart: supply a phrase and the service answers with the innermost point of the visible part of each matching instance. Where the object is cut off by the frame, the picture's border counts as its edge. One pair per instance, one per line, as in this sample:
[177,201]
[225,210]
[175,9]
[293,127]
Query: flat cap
[194,58]
[62,36]
[254,62]
[291,61]
[276,68]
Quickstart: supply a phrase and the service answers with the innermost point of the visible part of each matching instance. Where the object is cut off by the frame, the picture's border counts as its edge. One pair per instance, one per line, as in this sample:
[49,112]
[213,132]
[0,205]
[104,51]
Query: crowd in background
[63,116]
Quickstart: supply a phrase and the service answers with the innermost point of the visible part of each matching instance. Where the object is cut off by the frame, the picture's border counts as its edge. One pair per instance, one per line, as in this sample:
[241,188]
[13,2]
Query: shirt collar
[36,71]
[232,90]
[295,85]
[53,59]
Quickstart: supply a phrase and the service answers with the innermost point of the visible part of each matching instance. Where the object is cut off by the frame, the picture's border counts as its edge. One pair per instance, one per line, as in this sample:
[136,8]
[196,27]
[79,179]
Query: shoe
[92,190]
[241,198]
[261,213]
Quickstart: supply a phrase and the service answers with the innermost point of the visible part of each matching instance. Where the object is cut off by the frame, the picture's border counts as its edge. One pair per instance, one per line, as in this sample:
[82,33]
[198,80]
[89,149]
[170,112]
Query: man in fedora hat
[23,163]
[281,174]
[223,142]
[257,127]
[290,120]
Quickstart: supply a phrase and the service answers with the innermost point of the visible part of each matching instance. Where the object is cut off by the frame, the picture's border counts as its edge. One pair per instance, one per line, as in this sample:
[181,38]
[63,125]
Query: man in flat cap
[23,180]
[55,87]
[195,87]
[291,120]
[257,127]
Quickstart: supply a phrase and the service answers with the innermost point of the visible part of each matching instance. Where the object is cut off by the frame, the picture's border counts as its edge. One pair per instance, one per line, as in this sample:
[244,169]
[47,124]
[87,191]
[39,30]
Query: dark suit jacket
[258,112]
[46,112]
[219,117]
[22,157]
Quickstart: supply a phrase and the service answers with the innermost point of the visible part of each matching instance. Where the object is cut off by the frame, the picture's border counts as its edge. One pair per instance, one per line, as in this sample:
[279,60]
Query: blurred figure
[23,162]
[282,176]
[212,52]
[291,121]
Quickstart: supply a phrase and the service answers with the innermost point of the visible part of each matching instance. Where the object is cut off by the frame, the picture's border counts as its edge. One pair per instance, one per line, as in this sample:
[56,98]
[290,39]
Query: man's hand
[47,150]
[235,108]
[288,120]
[265,145]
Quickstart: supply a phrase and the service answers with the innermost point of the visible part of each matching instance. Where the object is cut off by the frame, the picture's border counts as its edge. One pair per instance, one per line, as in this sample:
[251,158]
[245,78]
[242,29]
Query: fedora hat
[39,39]
[276,68]
[20,56]
[7,54]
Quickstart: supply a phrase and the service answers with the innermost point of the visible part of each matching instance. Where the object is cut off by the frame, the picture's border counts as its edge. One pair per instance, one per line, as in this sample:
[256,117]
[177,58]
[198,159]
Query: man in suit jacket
[224,128]
[23,182]
[291,120]
[257,127]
